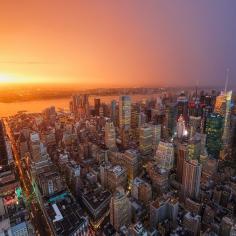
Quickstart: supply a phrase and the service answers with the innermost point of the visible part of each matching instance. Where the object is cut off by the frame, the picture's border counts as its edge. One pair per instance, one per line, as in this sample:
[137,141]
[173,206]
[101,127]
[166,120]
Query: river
[8,109]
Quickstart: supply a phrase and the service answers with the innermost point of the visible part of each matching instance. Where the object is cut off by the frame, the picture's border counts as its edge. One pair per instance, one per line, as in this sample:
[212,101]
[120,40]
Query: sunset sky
[118,42]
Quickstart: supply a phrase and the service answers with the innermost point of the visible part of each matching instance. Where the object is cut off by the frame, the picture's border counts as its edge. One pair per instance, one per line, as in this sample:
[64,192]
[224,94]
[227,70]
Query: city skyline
[112,44]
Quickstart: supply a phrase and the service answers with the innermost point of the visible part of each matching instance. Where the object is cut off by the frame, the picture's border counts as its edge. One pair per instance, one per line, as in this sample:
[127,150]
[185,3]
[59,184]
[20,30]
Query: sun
[6,78]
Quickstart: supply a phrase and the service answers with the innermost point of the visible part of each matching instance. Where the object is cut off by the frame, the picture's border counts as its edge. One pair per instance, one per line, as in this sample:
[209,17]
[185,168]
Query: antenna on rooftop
[227,79]
[196,91]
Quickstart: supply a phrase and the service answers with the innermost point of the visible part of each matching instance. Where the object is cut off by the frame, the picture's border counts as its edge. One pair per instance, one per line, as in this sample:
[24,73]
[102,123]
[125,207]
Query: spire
[227,79]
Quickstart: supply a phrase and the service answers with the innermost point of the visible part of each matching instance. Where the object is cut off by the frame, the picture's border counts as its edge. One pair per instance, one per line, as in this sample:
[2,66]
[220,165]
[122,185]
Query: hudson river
[8,109]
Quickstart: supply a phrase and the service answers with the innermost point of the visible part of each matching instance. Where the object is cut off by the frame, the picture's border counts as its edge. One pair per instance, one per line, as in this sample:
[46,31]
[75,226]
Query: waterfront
[8,109]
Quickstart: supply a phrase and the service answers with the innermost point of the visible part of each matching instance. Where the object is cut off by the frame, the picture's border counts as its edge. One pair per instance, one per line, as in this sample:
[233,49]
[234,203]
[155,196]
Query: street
[37,218]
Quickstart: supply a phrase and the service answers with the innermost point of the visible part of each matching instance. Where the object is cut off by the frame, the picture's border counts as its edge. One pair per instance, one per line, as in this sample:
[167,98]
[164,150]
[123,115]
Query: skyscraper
[110,135]
[191,178]
[97,104]
[80,105]
[181,156]
[182,106]
[223,107]
[120,209]
[125,112]
[145,140]
[165,155]
[113,112]
[214,131]
[181,128]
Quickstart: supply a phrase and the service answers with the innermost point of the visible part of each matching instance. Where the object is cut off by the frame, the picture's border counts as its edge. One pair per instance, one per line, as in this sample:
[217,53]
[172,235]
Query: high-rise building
[192,223]
[80,105]
[194,124]
[191,178]
[125,112]
[97,104]
[163,209]
[226,226]
[182,106]
[141,190]
[156,135]
[165,155]
[113,114]
[194,147]
[170,116]
[3,148]
[135,116]
[120,209]
[145,140]
[110,135]
[181,157]
[223,107]
[113,176]
[214,131]
[181,128]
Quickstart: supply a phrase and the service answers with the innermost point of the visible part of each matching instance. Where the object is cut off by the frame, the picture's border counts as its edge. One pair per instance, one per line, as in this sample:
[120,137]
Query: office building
[181,128]
[145,140]
[110,135]
[120,209]
[165,155]
[182,106]
[192,223]
[191,178]
[214,131]
[125,112]
[141,190]
[163,209]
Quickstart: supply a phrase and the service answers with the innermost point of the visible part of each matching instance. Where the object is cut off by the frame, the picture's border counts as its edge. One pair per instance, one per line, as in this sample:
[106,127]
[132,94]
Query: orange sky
[108,43]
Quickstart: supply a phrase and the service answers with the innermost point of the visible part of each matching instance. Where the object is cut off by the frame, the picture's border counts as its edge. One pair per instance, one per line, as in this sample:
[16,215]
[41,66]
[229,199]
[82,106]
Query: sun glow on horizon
[16,79]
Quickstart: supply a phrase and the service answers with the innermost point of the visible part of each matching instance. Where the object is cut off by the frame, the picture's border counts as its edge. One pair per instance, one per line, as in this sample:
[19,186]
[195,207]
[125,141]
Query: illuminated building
[182,106]
[223,107]
[163,209]
[14,217]
[145,140]
[165,155]
[141,190]
[156,135]
[191,178]
[194,147]
[181,128]
[194,124]
[135,116]
[181,157]
[214,131]
[110,135]
[120,209]
[125,112]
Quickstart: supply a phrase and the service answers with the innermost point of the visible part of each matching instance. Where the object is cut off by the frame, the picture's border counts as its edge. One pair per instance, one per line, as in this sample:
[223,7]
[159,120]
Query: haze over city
[117,118]
[118,43]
